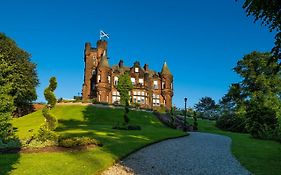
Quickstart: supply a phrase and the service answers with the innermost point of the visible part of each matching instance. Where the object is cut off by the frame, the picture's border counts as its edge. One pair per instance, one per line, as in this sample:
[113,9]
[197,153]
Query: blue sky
[200,40]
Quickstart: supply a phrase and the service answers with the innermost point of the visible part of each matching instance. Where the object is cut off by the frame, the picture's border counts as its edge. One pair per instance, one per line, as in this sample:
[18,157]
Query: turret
[103,80]
[90,59]
[166,85]
[101,47]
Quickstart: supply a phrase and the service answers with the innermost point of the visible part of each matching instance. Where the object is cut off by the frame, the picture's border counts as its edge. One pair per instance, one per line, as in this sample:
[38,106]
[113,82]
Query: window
[136,69]
[133,80]
[163,85]
[171,85]
[139,97]
[155,84]
[115,80]
[115,97]
[156,100]
[99,78]
[108,78]
[141,81]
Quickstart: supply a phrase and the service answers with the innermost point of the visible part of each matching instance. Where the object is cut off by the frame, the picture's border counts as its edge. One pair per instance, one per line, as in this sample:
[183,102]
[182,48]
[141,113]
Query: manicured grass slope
[84,121]
[261,157]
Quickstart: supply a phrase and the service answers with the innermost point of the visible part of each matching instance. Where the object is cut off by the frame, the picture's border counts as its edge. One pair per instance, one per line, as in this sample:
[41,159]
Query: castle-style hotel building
[151,88]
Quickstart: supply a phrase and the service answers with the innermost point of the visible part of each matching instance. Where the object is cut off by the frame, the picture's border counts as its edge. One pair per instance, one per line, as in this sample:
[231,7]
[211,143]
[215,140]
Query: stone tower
[166,86]
[92,57]
[103,80]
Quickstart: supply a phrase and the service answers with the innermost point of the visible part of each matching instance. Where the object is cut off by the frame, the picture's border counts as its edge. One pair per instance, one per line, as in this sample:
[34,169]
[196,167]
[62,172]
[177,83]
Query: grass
[261,157]
[84,121]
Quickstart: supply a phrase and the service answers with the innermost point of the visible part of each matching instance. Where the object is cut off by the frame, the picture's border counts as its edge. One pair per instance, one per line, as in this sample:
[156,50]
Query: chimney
[145,67]
[121,63]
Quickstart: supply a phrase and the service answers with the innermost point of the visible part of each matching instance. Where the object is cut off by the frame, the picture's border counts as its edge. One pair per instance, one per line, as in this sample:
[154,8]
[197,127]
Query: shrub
[160,109]
[261,121]
[44,135]
[231,122]
[60,100]
[69,142]
[195,123]
[10,143]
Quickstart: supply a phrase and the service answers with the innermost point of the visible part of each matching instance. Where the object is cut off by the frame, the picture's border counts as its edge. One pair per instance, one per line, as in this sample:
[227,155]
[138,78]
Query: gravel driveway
[197,154]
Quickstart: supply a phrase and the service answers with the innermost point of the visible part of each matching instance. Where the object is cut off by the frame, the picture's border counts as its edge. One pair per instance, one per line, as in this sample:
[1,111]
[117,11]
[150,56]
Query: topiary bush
[51,121]
[49,92]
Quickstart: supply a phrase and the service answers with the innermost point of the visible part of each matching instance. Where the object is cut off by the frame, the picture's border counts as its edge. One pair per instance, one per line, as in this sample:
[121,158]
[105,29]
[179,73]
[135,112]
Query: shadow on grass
[8,162]
[8,159]
[97,123]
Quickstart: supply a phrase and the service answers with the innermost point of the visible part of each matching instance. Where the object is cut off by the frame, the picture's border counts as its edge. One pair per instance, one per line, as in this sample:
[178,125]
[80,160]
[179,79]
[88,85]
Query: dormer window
[136,69]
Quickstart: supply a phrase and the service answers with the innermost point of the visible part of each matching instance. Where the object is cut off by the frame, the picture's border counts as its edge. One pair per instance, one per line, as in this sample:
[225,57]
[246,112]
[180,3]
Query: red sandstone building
[151,88]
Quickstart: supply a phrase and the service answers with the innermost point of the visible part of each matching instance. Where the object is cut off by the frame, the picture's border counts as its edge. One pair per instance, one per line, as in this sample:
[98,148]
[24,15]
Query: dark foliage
[261,121]
[19,73]
[269,12]
[206,108]
[231,123]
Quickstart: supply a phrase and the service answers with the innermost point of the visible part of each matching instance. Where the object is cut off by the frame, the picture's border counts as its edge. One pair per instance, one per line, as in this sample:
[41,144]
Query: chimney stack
[145,67]
[121,63]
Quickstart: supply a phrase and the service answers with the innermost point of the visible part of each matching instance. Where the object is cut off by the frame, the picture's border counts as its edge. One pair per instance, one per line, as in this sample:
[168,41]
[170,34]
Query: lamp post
[185,99]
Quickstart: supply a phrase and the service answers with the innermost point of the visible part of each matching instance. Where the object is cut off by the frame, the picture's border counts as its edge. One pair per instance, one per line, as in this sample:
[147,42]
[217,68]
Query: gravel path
[197,154]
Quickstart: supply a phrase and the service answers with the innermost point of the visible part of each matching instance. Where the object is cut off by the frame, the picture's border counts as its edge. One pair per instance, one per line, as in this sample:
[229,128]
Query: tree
[261,87]
[6,102]
[124,86]
[22,75]
[259,81]
[233,101]
[269,12]
[206,108]
[254,103]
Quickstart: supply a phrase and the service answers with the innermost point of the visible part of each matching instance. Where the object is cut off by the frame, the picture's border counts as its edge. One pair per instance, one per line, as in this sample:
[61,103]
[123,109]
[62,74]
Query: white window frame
[133,80]
[155,84]
[136,69]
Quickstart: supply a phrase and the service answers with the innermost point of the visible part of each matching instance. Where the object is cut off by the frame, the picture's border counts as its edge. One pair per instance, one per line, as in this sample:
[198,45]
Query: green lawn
[84,121]
[261,157]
